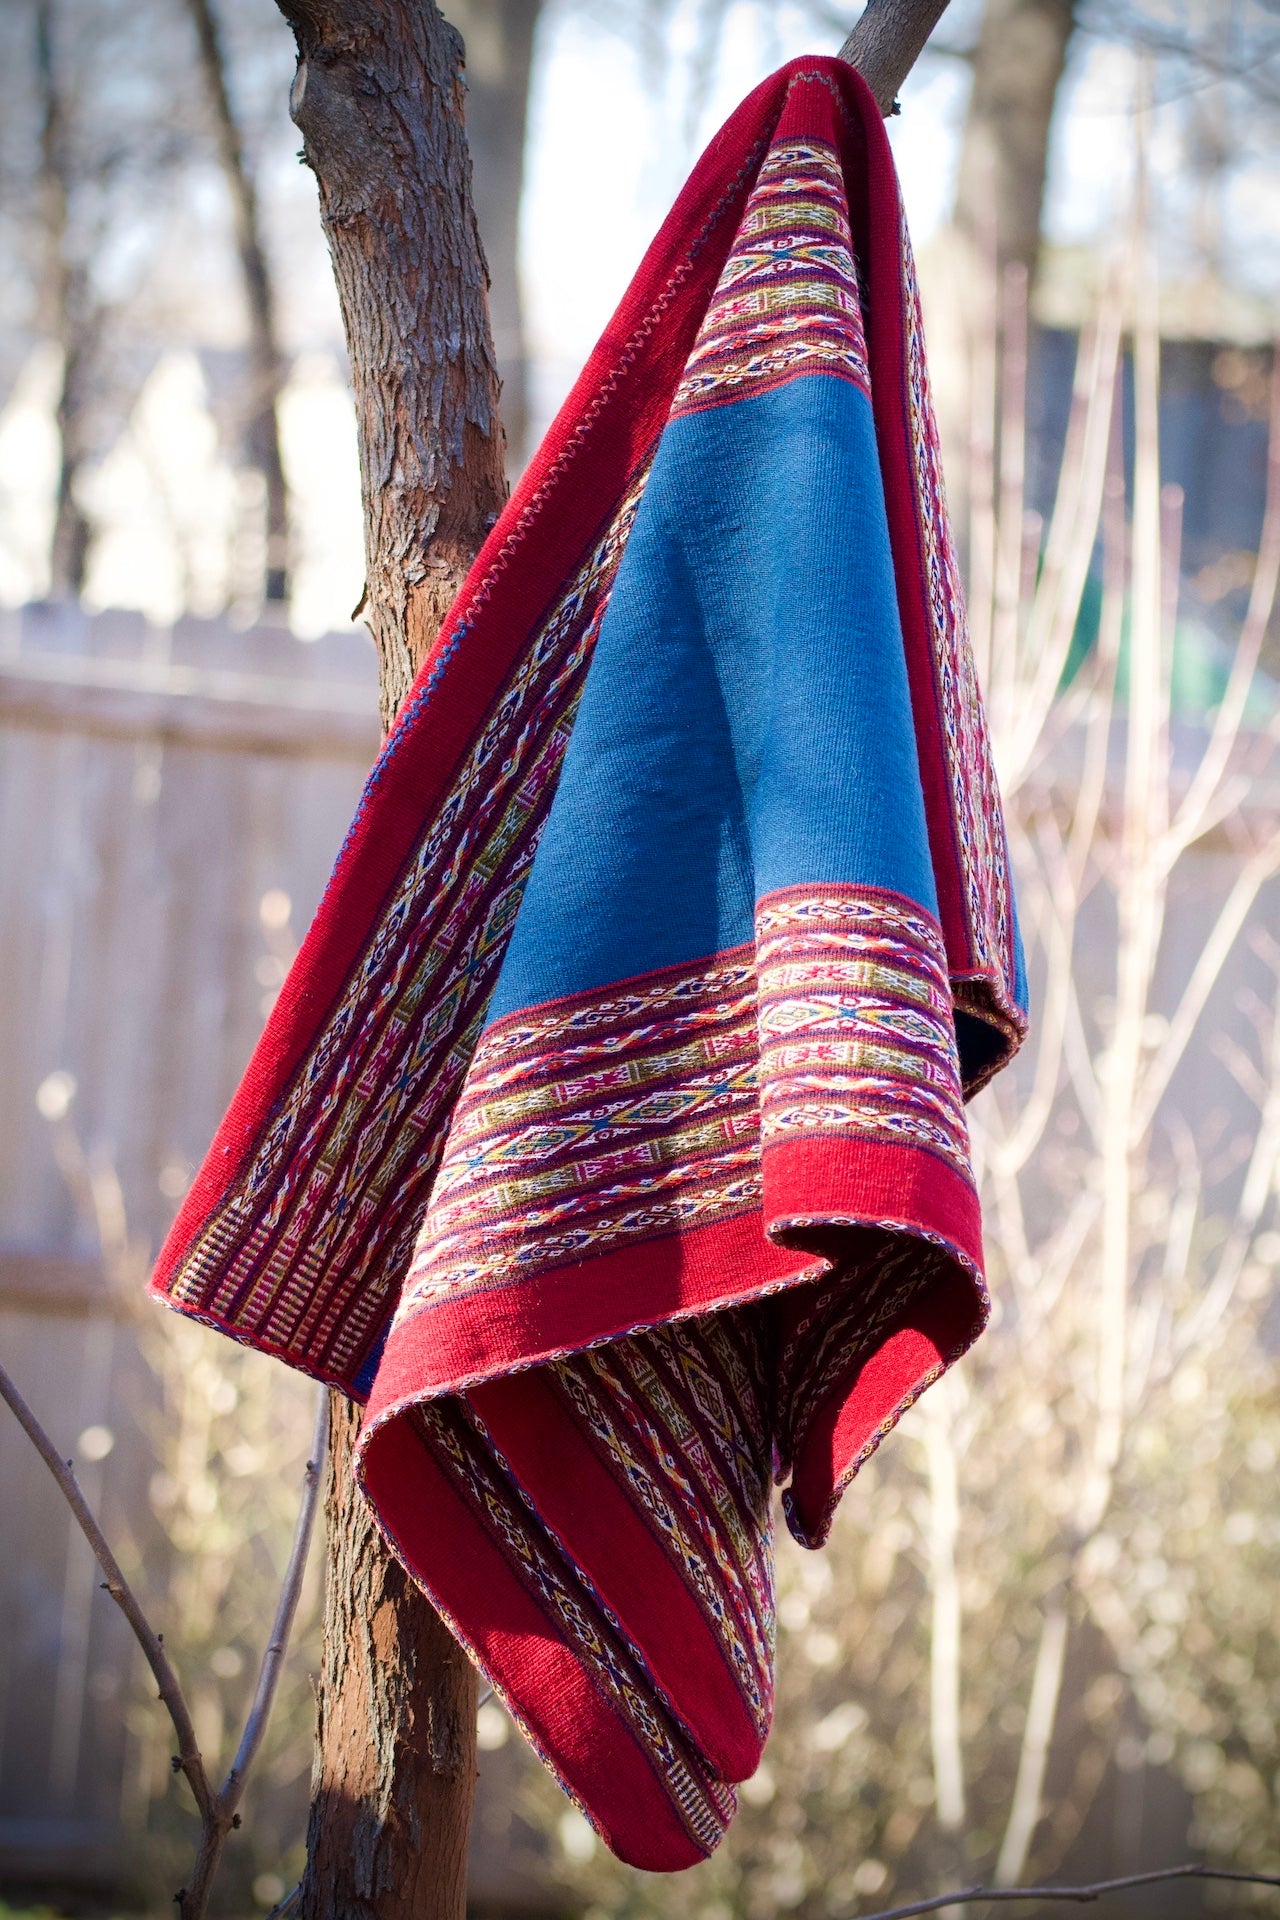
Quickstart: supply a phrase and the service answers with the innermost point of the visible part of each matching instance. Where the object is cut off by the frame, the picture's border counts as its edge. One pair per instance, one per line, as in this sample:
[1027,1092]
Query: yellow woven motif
[787,298]
[857,1025]
[307,1247]
[622,1115]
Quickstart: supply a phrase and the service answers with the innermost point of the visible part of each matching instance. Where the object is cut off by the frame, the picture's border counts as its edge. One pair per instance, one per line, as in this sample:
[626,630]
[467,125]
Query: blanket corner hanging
[608,1135]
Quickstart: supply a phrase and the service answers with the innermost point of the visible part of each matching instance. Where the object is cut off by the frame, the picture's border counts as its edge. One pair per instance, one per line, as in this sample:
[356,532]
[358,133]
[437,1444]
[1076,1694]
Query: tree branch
[291,1592]
[1094,1890]
[887,42]
[1027,1807]
[218,1813]
[189,1759]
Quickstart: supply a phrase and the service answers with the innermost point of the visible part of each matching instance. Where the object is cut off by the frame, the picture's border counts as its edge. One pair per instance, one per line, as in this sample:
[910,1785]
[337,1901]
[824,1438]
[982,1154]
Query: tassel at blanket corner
[608,1135]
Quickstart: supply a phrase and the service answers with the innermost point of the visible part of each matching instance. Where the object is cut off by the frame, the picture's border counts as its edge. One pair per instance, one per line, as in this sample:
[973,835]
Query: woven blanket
[608,1135]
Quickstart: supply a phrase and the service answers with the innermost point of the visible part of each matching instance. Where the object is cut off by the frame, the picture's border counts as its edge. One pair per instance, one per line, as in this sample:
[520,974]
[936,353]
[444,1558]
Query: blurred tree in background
[89,135]
[1018,62]
[145,194]
[116,118]
[266,353]
[499,39]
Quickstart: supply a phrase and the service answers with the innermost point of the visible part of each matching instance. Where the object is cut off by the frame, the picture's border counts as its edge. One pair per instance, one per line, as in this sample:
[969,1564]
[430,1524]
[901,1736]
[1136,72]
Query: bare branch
[1009,556]
[1193,815]
[1091,791]
[1250,74]
[887,42]
[1073,531]
[1042,1712]
[290,1593]
[189,1758]
[1255,1193]
[194,1899]
[1213,956]
[945,1655]
[1095,1890]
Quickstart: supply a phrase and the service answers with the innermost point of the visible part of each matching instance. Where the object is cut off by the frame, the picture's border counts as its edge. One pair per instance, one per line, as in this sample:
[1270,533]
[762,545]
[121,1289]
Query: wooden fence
[170,806]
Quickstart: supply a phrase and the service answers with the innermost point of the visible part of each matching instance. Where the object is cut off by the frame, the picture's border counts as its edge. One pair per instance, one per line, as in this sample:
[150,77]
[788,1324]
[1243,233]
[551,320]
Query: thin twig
[1192,815]
[217,1810]
[1072,535]
[189,1758]
[945,1635]
[1027,1807]
[1209,964]
[1095,1890]
[291,1592]
[193,1900]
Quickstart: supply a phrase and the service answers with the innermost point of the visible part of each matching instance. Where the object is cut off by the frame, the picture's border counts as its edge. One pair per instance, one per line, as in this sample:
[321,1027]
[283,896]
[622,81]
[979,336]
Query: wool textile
[608,1135]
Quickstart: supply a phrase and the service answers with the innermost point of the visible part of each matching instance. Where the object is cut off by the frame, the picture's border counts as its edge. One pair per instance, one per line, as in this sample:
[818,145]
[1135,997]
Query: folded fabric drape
[608,1134]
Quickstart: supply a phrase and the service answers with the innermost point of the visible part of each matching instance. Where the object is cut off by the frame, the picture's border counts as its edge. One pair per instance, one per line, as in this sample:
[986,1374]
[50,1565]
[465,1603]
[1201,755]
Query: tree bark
[498,36]
[395,1750]
[266,358]
[887,41]
[378,98]
[1017,66]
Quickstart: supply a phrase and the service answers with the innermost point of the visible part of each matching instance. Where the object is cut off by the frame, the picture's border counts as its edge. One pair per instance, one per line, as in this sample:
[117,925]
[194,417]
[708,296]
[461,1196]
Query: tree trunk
[1020,56]
[66,317]
[379,102]
[378,98]
[395,1750]
[266,359]
[498,36]
[72,534]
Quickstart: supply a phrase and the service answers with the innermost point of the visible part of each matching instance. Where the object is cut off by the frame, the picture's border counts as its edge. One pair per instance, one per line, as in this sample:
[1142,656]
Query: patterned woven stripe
[577,1615]
[787,300]
[306,1250]
[977,816]
[607,1118]
[618,1117]
[857,1029]
[679,1414]
[836,1327]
